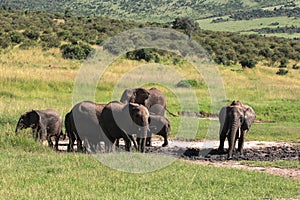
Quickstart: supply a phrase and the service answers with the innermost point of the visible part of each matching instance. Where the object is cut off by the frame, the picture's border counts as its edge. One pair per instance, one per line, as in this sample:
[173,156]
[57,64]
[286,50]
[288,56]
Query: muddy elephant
[159,125]
[155,101]
[235,121]
[82,125]
[119,120]
[44,125]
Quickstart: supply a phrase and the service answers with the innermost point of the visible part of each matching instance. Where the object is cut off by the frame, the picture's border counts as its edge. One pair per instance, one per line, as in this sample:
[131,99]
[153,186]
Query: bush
[31,34]
[282,72]
[143,54]
[295,66]
[250,63]
[187,83]
[76,51]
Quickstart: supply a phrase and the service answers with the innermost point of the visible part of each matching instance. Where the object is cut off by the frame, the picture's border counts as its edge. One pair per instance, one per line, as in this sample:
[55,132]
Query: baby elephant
[159,125]
[44,125]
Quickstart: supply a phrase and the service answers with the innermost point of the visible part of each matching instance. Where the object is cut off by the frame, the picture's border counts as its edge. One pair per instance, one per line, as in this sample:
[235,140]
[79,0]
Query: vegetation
[35,74]
[68,32]
[162,11]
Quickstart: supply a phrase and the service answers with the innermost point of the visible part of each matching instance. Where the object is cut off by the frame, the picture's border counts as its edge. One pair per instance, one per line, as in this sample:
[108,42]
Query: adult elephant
[159,125]
[235,121]
[119,120]
[82,125]
[44,125]
[155,101]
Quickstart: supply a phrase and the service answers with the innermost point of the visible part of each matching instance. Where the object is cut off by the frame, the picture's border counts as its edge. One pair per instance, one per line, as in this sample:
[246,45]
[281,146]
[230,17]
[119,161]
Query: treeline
[76,35]
[286,29]
[260,13]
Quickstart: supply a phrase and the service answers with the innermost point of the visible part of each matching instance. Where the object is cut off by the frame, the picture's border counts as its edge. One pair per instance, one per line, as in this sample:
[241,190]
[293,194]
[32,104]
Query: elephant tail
[172,114]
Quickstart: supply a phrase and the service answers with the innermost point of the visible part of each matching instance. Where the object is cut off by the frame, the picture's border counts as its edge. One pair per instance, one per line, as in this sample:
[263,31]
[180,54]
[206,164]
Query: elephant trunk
[232,135]
[18,127]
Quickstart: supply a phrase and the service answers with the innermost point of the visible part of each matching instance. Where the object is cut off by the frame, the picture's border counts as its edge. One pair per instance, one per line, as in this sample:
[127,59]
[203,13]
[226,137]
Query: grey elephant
[159,125]
[44,125]
[155,101]
[235,121]
[82,125]
[119,120]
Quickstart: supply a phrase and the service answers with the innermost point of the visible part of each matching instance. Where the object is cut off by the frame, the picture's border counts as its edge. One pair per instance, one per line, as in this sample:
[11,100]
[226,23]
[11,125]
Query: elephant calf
[159,125]
[235,121]
[44,125]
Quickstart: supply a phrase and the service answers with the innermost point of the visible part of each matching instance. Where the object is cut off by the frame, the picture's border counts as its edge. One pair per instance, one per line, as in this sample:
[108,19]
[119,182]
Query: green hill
[155,10]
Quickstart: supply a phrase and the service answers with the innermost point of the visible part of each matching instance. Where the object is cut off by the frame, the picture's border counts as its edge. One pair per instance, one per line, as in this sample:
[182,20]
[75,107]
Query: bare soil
[195,152]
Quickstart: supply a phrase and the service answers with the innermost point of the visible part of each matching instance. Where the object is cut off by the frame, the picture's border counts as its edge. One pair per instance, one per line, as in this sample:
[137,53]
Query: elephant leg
[79,145]
[50,143]
[56,142]
[148,141]
[166,142]
[71,142]
[134,142]
[223,135]
[141,144]
[241,141]
[127,141]
[222,140]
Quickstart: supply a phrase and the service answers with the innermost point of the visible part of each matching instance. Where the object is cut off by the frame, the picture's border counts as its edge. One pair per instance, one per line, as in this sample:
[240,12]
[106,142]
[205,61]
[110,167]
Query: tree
[250,63]
[186,24]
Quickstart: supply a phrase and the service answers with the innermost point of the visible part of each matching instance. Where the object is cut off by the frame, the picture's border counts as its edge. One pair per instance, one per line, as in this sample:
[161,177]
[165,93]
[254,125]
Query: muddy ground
[205,153]
[253,151]
[265,153]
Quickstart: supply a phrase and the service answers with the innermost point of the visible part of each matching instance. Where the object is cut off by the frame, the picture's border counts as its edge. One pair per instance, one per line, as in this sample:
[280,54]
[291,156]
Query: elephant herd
[139,114]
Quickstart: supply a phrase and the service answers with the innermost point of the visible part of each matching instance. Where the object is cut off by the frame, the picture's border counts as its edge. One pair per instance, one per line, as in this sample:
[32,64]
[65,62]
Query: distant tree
[5,42]
[16,37]
[283,63]
[282,72]
[249,63]
[188,25]
[31,34]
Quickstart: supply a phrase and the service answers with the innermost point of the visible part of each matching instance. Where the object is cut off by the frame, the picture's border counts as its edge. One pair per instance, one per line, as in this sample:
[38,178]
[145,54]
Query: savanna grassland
[40,57]
[32,171]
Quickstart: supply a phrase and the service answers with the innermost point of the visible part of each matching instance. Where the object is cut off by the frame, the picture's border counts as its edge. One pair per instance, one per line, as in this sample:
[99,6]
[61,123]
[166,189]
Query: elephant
[235,121]
[44,125]
[82,125]
[159,125]
[120,120]
[155,101]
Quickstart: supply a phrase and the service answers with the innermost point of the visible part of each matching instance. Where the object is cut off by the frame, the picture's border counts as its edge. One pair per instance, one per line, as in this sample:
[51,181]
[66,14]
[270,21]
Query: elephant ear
[34,118]
[249,117]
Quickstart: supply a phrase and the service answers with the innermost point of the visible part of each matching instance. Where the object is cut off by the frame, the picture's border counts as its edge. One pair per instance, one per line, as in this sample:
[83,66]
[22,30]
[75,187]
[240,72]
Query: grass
[30,171]
[48,175]
[246,26]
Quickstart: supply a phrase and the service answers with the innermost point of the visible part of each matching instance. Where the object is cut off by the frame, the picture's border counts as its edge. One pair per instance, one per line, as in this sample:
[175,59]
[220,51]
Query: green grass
[31,171]
[245,26]
[49,175]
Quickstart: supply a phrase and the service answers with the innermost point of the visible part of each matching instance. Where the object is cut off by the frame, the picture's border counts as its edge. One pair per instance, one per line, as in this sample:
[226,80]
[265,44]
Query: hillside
[155,10]
[26,29]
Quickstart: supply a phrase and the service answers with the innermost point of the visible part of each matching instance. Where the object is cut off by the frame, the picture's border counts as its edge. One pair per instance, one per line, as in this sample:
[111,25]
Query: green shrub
[282,72]
[76,51]
[187,83]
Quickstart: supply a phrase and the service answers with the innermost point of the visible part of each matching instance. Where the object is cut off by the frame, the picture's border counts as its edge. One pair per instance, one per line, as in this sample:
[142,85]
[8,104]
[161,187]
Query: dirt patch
[254,151]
